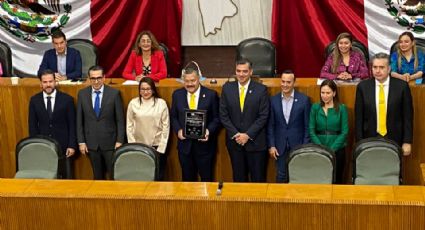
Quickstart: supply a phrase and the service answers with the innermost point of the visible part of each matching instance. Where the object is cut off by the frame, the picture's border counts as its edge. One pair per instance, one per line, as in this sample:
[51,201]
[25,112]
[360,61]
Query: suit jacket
[295,132]
[109,128]
[208,100]
[73,63]
[135,62]
[62,125]
[399,111]
[252,120]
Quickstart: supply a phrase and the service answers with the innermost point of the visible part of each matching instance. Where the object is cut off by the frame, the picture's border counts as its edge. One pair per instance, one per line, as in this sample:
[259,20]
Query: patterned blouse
[147,70]
[407,66]
[356,67]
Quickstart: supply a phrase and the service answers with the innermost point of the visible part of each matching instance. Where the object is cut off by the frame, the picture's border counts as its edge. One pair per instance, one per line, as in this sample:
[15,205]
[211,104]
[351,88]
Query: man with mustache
[52,114]
[196,156]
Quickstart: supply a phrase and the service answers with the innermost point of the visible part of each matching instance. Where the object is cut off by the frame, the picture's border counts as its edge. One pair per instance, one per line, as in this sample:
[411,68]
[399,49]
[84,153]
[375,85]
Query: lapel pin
[203,95]
[250,91]
[296,100]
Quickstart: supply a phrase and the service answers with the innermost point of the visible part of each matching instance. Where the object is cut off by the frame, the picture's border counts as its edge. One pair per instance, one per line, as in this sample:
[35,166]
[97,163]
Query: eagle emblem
[33,20]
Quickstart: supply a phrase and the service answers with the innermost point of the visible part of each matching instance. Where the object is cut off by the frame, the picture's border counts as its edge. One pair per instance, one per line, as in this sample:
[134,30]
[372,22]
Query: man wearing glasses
[100,122]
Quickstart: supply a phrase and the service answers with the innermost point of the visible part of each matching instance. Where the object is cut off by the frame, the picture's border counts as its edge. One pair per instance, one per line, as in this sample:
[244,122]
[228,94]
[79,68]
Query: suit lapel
[249,93]
[373,100]
[294,107]
[105,98]
[201,99]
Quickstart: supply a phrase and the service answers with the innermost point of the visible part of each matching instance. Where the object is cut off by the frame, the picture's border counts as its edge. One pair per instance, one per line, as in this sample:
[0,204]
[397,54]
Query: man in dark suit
[64,61]
[52,113]
[288,123]
[384,106]
[244,110]
[100,122]
[196,156]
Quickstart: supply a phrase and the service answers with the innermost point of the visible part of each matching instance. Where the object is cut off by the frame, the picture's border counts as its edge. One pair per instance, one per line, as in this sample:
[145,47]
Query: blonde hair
[414,50]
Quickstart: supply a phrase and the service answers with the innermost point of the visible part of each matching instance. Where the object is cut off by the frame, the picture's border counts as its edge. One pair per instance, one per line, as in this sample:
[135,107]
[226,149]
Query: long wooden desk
[84,204]
[14,115]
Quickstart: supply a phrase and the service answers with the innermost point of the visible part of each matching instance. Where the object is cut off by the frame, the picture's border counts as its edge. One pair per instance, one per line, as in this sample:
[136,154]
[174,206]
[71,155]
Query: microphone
[219,189]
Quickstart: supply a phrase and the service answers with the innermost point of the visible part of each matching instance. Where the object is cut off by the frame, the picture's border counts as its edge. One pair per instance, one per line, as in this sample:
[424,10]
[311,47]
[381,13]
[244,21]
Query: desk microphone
[220,187]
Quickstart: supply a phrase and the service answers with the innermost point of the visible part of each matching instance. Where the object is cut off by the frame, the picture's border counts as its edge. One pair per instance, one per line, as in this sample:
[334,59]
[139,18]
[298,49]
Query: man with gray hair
[384,106]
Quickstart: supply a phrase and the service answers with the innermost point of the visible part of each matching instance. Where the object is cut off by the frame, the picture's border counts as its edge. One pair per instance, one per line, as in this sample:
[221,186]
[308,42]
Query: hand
[348,76]
[273,152]
[241,138]
[180,134]
[139,77]
[117,144]
[407,149]
[70,152]
[207,134]
[83,149]
[59,77]
[341,76]
[406,77]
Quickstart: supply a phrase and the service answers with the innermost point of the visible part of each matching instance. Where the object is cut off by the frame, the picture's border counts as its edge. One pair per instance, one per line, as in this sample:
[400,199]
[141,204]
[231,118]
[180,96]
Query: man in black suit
[196,156]
[384,106]
[52,113]
[100,122]
[244,109]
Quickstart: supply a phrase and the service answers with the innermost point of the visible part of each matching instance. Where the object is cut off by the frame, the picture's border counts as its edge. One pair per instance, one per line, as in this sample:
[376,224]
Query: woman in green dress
[329,124]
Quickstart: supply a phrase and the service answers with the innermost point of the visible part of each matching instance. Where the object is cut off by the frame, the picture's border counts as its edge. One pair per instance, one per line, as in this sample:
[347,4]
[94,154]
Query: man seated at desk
[64,61]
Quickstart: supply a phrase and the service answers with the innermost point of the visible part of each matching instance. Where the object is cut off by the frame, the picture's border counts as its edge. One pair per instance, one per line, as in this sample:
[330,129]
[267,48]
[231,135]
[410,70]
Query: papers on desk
[70,82]
[340,82]
[130,82]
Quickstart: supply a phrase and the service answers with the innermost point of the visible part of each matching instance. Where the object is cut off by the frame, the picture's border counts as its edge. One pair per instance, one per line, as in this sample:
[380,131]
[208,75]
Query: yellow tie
[242,97]
[382,129]
[192,101]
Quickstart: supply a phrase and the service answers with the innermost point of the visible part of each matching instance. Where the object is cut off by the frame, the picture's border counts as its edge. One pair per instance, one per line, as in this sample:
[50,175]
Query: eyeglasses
[94,79]
[145,90]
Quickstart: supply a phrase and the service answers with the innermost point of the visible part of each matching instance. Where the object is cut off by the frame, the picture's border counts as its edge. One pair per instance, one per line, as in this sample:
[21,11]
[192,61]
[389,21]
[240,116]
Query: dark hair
[243,61]
[46,72]
[288,71]
[155,44]
[151,83]
[414,50]
[331,84]
[380,56]
[58,34]
[96,68]
[336,54]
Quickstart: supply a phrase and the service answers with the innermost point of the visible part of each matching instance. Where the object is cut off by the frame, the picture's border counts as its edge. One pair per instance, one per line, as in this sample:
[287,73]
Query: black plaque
[195,121]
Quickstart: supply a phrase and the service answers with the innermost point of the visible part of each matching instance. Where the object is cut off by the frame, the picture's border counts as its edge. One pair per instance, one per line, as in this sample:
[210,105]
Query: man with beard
[52,114]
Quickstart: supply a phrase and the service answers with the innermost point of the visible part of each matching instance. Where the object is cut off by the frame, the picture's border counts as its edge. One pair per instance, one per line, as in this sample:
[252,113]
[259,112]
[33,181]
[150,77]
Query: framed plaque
[195,121]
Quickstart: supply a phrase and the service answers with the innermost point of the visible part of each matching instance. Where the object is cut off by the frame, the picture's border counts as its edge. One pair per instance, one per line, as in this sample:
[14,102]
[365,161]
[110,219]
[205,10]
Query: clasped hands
[345,76]
[241,138]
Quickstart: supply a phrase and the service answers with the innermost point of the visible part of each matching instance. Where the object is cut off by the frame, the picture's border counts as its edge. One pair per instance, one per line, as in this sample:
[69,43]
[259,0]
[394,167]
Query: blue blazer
[62,125]
[295,132]
[253,119]
[73,63]
[208,100]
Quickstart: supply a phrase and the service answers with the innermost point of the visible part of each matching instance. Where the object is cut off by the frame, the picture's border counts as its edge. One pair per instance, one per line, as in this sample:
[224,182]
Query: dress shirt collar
[52,95]
[93,91]
[64,53]
[245,86]
[290,97]
[385,83]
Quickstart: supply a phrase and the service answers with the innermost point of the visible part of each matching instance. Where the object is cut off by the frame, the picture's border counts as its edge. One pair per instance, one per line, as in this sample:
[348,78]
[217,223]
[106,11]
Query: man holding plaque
[244,109]
[195,120]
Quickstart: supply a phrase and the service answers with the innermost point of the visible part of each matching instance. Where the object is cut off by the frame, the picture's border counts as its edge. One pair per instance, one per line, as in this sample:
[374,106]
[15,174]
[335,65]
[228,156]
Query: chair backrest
[38,157]
[311,164]
[356,45]
[6,59]
[164,49]
[88,52]
[377,161]
[420,45]
[261,52]
[135,162]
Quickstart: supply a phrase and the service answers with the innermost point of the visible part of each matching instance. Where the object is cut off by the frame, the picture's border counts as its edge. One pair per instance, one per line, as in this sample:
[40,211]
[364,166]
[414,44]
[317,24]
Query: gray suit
[100,134]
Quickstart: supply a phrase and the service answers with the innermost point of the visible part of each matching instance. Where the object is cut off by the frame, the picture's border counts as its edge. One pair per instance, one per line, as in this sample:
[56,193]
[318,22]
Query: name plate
[194,123]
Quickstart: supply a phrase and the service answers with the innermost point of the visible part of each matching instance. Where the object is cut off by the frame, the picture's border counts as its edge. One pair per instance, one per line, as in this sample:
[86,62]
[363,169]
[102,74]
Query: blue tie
[97,104]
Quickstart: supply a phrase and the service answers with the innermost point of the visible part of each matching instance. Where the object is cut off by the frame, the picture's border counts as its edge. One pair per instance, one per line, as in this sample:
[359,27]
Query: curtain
[301,30]
[115,25]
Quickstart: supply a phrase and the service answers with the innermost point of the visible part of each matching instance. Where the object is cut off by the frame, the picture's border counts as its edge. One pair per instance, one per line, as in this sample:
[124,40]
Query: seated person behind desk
[1,70]
[148,121]
[146,59]
[64,61]
[344,63]
[329,124]
[401,68]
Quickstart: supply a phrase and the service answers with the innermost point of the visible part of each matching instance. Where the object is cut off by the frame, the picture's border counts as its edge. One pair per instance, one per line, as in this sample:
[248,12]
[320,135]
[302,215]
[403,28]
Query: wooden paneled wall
[14,115]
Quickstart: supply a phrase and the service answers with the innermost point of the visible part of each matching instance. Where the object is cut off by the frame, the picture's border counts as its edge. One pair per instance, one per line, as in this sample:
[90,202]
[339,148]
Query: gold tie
[192,101]
[242,97]
[382,129]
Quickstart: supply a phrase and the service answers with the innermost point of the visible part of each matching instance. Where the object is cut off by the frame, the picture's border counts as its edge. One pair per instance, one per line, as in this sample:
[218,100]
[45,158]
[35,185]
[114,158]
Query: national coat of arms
[33,20]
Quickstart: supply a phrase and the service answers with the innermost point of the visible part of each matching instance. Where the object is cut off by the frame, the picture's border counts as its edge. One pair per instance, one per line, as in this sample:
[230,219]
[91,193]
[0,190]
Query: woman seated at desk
[344,63]
[146,59]
[407,62]
[148,121]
